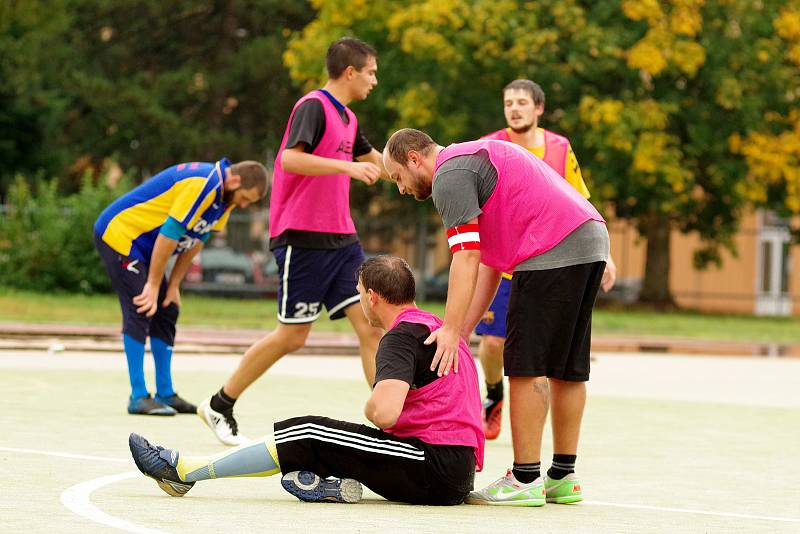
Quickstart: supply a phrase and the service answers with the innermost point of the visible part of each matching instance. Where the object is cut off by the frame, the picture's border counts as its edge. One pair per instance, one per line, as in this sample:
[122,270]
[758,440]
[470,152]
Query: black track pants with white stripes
[394,468]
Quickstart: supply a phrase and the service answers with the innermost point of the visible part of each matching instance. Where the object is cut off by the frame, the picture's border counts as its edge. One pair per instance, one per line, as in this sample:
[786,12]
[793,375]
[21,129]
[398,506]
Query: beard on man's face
[522,129]
[227,195]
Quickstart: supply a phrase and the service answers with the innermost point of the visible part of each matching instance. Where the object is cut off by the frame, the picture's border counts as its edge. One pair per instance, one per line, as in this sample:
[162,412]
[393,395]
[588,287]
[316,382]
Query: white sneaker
[508,491]
[222,424]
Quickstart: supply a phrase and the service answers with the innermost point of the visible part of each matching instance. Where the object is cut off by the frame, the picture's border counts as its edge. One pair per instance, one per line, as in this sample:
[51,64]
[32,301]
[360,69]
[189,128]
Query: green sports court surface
[670,444]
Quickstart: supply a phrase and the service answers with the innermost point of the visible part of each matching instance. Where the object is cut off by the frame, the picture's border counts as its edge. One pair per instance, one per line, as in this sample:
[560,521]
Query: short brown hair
[408,139]
[390,277]
[532,88]
[345,52]
[253,174]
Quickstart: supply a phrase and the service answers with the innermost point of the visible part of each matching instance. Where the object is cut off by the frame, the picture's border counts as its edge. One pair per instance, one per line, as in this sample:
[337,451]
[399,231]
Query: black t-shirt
[308,126]
[402,355]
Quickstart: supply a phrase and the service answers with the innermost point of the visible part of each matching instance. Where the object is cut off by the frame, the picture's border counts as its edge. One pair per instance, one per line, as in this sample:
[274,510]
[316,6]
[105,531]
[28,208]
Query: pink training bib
[315,203]
[555,148]
[531,209]
[448,410]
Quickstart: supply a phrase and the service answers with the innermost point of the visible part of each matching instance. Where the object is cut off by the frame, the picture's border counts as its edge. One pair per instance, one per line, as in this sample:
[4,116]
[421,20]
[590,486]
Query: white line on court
[76,498]
[64,455]
[690,511]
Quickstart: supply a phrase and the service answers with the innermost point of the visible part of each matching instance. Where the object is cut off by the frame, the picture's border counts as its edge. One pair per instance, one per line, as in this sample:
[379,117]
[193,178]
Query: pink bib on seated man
[315,203]
[555,148]
[448,410]
[531,209]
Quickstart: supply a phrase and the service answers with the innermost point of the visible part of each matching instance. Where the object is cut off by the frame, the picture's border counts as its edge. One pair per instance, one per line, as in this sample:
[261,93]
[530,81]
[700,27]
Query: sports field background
[103,309]
[670,444]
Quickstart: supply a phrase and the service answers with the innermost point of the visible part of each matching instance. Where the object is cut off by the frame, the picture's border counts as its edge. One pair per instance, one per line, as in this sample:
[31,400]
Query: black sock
[222,403]
[494,392]
[563,464]
[527,473]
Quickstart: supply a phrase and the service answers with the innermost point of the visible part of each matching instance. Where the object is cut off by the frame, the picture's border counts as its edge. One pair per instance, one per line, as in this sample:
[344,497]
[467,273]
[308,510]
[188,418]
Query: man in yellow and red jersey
[523,104]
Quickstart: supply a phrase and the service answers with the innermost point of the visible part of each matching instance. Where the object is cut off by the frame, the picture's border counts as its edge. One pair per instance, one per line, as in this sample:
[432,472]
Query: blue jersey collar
[333,100]
[221,167]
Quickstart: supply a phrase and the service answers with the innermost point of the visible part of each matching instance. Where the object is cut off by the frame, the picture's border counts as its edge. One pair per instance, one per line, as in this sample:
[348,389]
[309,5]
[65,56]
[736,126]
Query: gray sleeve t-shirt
[462,186]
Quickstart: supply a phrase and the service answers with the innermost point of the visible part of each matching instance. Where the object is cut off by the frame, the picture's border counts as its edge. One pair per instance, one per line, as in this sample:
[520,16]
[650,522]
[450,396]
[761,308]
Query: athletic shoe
[564,491]
[492,416]
[178,404]
[508,491]
[159,464]
[148,406]
[309,487]
[222,424]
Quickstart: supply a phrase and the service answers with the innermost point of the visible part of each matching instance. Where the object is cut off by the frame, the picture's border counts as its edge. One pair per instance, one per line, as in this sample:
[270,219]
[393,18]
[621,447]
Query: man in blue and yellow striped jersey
[174,212]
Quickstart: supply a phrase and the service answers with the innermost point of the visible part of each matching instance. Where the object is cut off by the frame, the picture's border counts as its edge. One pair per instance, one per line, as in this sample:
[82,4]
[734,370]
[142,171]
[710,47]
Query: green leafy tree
[31,100]
[46,239]
[166,81]
[676,108]
[143,82]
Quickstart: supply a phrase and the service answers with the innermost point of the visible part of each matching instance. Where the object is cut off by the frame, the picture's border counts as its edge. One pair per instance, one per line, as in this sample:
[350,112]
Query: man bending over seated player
[429,439]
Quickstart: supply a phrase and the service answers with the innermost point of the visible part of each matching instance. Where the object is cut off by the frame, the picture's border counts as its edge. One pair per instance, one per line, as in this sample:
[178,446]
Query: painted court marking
[690,511]
[65,455]
[77,497]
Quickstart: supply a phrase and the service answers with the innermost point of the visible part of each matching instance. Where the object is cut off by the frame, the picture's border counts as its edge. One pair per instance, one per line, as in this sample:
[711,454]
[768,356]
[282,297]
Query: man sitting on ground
[429,439]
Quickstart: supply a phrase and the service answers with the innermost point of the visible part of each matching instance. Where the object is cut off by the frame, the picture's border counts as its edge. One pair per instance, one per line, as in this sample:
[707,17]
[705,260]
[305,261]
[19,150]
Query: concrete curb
[23,336]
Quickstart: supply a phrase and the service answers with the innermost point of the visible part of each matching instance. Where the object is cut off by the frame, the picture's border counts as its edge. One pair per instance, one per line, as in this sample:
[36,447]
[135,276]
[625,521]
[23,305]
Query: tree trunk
[422,253]
[228,42]
[655,287]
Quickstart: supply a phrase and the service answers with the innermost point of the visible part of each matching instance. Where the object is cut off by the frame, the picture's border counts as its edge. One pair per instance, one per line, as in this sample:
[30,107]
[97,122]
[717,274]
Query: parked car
[224,271]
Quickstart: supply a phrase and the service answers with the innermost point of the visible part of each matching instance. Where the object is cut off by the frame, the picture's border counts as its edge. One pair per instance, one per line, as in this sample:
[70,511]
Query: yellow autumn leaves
[668,41]
[772,159]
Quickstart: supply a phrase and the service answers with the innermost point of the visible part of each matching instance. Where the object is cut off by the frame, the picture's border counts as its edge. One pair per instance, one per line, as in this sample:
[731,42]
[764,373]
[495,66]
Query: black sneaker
[159,464]
[148,406]
[178,404]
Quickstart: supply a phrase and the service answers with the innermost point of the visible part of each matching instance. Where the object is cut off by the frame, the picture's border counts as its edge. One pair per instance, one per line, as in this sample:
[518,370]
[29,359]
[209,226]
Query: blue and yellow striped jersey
[188,195]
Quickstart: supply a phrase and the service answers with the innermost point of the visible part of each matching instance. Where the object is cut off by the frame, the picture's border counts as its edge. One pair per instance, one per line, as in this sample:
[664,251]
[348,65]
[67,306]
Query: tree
[167,81]
[663,101]
[143,82]
[30,100]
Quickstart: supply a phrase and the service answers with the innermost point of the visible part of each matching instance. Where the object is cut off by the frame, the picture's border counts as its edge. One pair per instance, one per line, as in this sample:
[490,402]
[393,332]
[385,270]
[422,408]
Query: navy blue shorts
[128,277]
[494,322]
[312,278]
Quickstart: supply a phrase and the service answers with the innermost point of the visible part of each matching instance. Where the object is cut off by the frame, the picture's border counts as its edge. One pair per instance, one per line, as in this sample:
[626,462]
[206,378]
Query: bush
[46,239]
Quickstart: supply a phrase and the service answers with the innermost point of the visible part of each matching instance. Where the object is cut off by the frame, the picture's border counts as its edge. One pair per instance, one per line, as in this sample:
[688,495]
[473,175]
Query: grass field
[669,444]
[233,313]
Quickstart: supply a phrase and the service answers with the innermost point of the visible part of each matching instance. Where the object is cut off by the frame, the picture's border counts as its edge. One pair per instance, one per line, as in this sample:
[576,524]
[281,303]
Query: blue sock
[162,355]
[134,352]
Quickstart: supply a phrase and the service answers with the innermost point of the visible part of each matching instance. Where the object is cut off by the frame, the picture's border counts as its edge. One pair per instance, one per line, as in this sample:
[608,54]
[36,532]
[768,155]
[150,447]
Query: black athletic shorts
[549,322]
